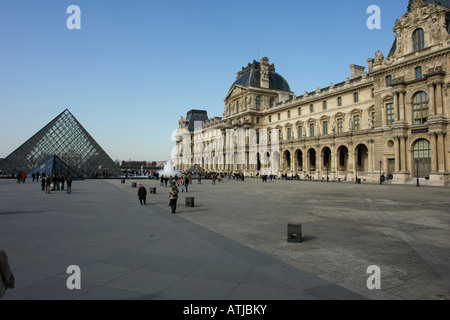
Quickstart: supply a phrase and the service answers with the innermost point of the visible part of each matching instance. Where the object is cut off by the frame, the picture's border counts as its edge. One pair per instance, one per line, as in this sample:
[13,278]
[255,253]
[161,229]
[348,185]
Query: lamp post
[381,181]
[328,167]
[417,172]
[356,171]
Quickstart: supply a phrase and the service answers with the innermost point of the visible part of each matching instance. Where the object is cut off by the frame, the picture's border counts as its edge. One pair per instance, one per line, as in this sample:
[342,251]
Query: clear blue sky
[137,66]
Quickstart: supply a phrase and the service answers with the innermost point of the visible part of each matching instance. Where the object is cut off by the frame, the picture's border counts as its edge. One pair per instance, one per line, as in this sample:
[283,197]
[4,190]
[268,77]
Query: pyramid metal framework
[66,138]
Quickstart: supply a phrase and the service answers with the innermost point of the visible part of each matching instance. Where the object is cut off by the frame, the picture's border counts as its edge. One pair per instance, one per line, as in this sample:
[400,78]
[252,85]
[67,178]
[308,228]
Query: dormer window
[418,39]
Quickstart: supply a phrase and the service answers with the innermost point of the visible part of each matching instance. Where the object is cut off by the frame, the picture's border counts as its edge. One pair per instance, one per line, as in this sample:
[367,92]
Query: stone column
[319,160]
[441,151]
[293,168]
[403,154]
[432,100]
[370,156]
[402,105]
[397,154]
[434,152]
[439,99]
[396,108]
[383,115]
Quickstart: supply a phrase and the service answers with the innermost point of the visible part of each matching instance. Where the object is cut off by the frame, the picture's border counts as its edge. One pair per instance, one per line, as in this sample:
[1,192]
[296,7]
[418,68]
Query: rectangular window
[289,114]
[258,103]
[418,73]
[325,105]
[325,128]
[390,113]
[388,81]
[270,118]
[311,108]
[279,116]
[289,133]
[340,125]
[300,132]
[356,97]
[257,120]
[373,119]
[340,102]
[299,111]
[356,123]
[311,130]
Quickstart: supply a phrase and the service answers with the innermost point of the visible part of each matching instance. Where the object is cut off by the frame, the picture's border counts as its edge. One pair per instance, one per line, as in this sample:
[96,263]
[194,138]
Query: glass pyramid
[65,138]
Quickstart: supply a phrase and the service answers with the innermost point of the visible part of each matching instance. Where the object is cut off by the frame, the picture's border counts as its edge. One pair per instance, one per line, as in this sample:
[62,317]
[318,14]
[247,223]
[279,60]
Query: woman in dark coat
[142,194]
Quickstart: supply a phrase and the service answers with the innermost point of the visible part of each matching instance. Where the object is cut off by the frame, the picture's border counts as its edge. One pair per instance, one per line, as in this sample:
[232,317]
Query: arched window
[418,39]
[420,108]
[258,103]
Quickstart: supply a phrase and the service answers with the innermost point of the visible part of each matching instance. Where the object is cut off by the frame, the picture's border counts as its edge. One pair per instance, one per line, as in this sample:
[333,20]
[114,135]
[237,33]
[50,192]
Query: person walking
[48,182]
[69,184]
[186,183]
[142,194]
[173,197]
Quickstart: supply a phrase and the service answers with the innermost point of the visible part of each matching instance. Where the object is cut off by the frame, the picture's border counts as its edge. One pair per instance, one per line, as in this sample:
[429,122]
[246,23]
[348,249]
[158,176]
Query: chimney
[264,81]
[356,71]
[370,62]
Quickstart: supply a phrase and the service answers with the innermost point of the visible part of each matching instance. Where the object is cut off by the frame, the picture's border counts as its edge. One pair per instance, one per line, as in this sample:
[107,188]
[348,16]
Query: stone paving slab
[347,227]
[128,251]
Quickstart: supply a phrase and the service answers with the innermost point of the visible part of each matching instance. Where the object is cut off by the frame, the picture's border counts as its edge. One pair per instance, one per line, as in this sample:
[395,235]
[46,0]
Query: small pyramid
[65,138]
[55,166]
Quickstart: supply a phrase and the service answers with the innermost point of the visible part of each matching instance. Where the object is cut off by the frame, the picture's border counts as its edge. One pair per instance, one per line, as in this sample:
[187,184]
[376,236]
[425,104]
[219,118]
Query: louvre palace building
[392,119]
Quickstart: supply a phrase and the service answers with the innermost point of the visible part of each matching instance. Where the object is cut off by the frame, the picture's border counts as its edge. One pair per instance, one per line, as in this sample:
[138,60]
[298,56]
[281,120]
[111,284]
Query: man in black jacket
[142,194]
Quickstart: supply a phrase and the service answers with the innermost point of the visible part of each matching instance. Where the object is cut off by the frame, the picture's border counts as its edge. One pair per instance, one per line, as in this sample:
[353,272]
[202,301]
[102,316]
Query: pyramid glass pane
[67,139]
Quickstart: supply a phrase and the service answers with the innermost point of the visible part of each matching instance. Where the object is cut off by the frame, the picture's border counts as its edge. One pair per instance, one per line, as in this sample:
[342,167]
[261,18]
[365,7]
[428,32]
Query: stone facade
[392,120]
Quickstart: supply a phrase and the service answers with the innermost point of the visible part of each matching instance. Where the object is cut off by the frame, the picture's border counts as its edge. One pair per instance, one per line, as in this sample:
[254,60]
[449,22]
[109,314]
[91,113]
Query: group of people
[21,177]
[173,195]
[55,183]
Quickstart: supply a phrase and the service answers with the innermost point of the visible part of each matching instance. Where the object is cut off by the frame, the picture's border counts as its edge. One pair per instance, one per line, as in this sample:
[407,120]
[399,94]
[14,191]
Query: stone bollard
[152,190]
[294,232]
[189,202]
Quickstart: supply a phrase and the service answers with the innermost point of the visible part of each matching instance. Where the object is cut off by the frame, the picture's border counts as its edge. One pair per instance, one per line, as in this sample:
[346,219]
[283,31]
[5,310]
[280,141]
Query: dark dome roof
[251,75]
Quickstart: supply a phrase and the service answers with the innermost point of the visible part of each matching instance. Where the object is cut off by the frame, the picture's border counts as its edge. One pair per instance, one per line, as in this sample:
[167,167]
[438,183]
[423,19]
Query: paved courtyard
[231,245]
